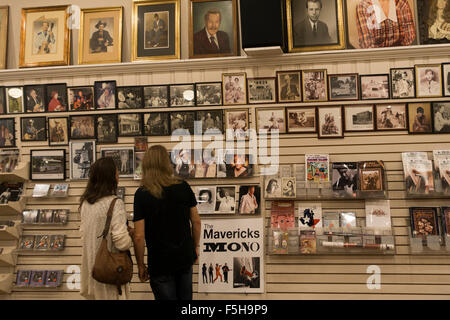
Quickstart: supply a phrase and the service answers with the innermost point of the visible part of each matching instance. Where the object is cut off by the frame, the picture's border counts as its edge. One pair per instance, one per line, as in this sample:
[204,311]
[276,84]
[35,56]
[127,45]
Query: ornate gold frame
[4,52]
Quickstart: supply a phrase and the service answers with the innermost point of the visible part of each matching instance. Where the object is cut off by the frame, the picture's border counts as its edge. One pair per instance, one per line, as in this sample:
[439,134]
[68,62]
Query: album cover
[27,242]
[308,242]
[206,199]
[53,278]
[445,216]
[57,242]
[23,278]
[371,176]
[280,242]
[238,165]
[60,216]
[30,216]
[424,221]
[407,156]
[331,219]
[282,215]
[46,216]
[42,242]
[60,190]
[419,176]
[250,199]
[310,215]
[317,167]
[378,214]
[345,178]
[37,278]
[348,219]
[40,190]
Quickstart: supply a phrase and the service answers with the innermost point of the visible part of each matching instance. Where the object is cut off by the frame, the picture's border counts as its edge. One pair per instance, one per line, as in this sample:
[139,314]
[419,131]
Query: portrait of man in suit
[157,34]
[211,40]
[311,30]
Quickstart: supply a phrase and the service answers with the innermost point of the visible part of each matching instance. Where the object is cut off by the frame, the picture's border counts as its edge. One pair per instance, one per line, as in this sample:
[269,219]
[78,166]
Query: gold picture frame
[151,44]
[94,48]
[44,37]
[4,20]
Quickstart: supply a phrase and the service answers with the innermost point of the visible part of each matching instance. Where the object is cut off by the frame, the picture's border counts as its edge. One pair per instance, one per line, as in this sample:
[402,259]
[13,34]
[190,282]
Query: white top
[93,219]
[379,13]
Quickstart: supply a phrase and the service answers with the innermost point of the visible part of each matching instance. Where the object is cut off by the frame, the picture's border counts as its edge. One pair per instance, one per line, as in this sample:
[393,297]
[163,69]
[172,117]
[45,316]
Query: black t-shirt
[170,245]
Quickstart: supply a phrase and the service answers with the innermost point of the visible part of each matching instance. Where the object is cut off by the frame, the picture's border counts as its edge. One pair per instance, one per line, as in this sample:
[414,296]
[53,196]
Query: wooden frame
[86,137]
[319,125]
[331,89]
[12,132]
[4,23]
[66,138]
[62,103]
[371,106]
[116,128]
[392,83]
[410,116]
[247,122]
[218,85]
[325,86]
[289,74]
[229,97]
[145,131]
[361,76]
[273,90]
[24,136]
[437,84]
[389,105]
[259,110]
[288,109]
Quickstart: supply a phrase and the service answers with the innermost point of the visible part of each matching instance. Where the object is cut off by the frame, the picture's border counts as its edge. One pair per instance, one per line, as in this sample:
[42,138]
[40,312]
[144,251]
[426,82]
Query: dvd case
[53,278]
[372,179]
[42,242]
[60,190]
[23,278]
[308,242]
[30,216]
[424,221]
[345,179]
[46,216]
[27,242]
[378,214]
[60,216]
[280,242]
[282,215]
[57,242]
[37,278]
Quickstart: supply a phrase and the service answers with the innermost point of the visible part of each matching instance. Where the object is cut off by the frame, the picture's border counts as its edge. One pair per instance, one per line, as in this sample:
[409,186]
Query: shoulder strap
[108,218]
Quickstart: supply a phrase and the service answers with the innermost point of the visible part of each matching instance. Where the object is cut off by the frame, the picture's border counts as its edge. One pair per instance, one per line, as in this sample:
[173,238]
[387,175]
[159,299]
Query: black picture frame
[218,123]
[121,124]
[18,92]
[112,135]
[72,128]
[59,103]
[44,154]
[42,121]
[414,106]
[155,129]
[332,90]
[435,107]
[162,97]
[29,101]
[299,109]
[126,93]
[393,79]
[50,135]
[11,125]
[187,95]
[201,100]
[184,118]
[86,103]
[365,97]
[99,87]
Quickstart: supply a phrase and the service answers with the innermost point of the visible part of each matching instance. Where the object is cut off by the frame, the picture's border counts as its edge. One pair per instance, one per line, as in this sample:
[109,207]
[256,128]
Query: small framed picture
[82,157]
[34,98]
[237,121]
[234,88]
[138,158]
[7,133]
[208,93]
[343,86]
[446,77]
[56,97]
[14,99]
[441,117]
[374,86]
[371,179]
[105,94]
[225,199]
[130,124]
[289,86]
[330,122]
[58,131]
[183,162]
[129,97]
[270,119]
[424,221]
[314,85]
[2,101]
[81,98]
[428,80]
[123,158]
[106,128]
[419,117]
[359,118]
[48,164]
[33,129]
[156,124]
[261,90]
[182,95]
[156,96]
[212,120]
[249,199]
[403,84]
[182,120]
[301,119]
[391,117]
[82,127]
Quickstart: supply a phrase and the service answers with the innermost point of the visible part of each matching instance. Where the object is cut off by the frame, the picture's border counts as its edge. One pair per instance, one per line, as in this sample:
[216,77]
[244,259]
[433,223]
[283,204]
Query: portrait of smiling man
[211,40]
[311,30]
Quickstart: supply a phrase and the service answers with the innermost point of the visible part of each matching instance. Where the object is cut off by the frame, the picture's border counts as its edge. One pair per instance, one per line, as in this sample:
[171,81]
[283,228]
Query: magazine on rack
[317,168]
[407,156]
[438,156]
[40,190]
[282,215]
[378,215]
[345,178]
[424,221]
[371,176]
[419,176]
[310,216]
[60,190]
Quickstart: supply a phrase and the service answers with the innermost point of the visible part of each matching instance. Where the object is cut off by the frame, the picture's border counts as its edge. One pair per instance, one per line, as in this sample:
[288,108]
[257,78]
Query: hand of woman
[143,273]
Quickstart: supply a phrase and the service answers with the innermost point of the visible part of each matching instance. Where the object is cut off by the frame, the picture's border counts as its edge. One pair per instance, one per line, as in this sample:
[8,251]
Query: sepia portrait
[270,120]
[58,131]
[428,80]
[403,83]
[212,120]
[234,88]
[289,86]
[156,96]
[301,120]
[391,116]
[330,122]
[419,117]
[314,85]
[7,133]
[441,117]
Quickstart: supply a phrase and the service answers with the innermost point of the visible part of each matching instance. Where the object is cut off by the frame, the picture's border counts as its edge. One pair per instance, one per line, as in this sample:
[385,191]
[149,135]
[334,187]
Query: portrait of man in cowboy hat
[101,39]
[105,94]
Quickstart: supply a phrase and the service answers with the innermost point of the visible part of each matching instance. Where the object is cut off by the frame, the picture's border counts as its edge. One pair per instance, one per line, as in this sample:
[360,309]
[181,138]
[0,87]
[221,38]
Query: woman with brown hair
[166,218]
[94,204]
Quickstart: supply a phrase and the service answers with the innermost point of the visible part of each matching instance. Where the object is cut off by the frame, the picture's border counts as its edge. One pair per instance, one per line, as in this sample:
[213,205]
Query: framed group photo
[156,96]
[391,117]
[262,90]
[182,95]
[106,128]
[234,88]
[237,121]
[208,93]
[314,85]
[82,127]
[301,120]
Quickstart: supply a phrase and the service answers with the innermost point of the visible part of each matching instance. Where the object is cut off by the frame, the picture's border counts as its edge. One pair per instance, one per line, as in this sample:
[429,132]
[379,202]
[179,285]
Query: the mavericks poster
[231,256]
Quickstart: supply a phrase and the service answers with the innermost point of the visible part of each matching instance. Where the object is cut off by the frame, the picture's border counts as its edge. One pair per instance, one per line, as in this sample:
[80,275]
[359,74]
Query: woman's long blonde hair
[157,170]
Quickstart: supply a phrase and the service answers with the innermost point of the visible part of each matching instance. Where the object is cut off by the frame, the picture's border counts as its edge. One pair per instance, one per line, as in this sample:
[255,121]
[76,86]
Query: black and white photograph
[7,133]
[225,199]
[183,163]
[82,157]
[81,98]
[106,128]
[123,158]
[105,94]
[446,77]
[270,120]
[14,100]
[288,187]
[212,120]
[428,80]
[343,86]
[82,127]
[48,164]
[156,96]
[234,88]
[182,120]
[182,95]
[301,120]
[129,97]
[434,21]
[206,199]
[314,85]
[33,129]
[289,86]
[237,121]
[261,90]
[129,124]
[249,199]
[359,118]
[391,117]
[156,124]
[374,86]
[34,98]
[58,131]
[56,94]
[403,84]
[441,117]
[208,93]
[330,122]
[345,178]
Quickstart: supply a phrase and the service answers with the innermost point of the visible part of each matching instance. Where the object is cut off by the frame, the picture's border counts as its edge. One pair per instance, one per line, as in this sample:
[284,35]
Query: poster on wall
[231,256]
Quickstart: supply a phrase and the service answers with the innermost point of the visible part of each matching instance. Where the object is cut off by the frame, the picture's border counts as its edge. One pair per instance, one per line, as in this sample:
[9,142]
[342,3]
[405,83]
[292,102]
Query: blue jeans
[172,287]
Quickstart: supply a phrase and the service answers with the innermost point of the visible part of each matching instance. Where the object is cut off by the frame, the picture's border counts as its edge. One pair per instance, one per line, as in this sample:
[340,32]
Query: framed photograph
[82,157]
[208,94]
[156,124]
[82,127]
[225,200]
[105,94]
[261,90]
[56,97]
[156,30]
[4,22]
[156,96]
[369,26]
[270,119]
[234,88]
[123,158]
[182,120]
[183,163]
[2,101]
[33,129]
[44,37]
[58,131]
[374,86]
[237,120]
[34,98]
[419,117]
[206,199]
[14,99]
[130,97]
[371,179]
[81,98]
[441,117]
[7,133]
[100,36]
[48,164]
[359,118]
[234,165]
[211,120]
[343,86]
[403,84]
[446,77]
[434,21]
[213,29]
[391,117]
[428,80]
[182,95]
[249,199]
[315,25]
[130,124]
[314,85]
[106,128]
[424,221]
[330,122]
[301,119]
[289,86]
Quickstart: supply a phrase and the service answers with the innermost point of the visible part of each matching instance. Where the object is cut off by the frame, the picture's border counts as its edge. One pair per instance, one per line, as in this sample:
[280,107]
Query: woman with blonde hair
[167,221]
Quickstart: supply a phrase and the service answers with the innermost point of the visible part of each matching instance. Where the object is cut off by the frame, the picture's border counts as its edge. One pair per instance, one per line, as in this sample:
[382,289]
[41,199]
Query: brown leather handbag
[112,268]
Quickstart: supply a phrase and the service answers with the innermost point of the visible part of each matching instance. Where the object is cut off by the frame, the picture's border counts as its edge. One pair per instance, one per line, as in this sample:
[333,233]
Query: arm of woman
[196,229]
[119,232]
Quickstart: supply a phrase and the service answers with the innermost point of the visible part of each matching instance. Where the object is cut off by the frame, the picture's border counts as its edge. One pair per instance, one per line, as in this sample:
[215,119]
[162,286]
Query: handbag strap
[108,218]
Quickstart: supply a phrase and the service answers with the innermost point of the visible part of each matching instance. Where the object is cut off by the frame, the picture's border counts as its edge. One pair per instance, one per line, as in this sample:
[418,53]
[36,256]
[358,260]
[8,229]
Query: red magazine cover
[282,215]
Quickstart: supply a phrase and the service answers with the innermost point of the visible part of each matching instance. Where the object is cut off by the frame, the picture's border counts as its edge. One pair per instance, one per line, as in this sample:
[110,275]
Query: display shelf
[13,207]
[8,257]
[432,244]
[6,283]
[20,174]
[10,233]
